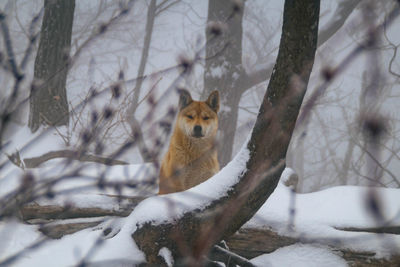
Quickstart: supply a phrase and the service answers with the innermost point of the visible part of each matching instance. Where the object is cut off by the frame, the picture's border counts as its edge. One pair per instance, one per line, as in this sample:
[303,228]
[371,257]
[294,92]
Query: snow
[159,209]
[216,72]
[167,256]
[31,144]
[300,255]
[317,214]
[341,206]
[68,250]
[10,235]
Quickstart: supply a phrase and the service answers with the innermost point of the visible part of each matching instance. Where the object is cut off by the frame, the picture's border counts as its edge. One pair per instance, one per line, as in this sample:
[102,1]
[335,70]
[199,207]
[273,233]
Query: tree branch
[70,154]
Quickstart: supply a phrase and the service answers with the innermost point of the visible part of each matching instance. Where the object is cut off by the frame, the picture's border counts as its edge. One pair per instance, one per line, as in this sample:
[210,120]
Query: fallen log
[251,243]
[247,242]
[56,212]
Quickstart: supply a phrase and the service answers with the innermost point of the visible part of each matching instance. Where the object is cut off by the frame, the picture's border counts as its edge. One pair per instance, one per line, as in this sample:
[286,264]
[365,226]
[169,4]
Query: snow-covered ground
[317,215]
[316,219]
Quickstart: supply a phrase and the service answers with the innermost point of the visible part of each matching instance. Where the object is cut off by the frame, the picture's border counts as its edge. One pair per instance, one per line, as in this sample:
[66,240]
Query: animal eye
[190,117]
[206,118]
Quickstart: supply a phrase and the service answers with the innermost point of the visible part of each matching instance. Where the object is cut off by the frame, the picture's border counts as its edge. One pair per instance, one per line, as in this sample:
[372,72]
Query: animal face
[198,119]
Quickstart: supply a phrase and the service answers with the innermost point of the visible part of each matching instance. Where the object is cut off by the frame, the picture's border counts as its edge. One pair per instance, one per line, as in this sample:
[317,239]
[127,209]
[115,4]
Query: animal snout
[197,131]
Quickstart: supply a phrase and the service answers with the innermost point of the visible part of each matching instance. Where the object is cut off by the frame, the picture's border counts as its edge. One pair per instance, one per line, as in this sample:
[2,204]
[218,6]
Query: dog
[192,153]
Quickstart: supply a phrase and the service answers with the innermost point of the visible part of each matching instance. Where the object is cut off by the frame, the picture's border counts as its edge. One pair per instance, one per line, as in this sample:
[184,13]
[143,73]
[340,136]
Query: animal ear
[184,98]
[213,101]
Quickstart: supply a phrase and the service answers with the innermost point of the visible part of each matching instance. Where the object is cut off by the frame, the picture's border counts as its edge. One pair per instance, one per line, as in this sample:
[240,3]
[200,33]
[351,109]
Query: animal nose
[197,130]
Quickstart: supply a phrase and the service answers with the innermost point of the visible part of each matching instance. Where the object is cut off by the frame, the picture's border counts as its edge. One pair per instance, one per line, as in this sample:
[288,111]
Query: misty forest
[308,139]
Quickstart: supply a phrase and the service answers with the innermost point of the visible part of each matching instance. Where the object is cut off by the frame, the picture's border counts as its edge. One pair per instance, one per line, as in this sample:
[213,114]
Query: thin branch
[9,47]
[70,154]
[331,74]
[161,9]
[228,257]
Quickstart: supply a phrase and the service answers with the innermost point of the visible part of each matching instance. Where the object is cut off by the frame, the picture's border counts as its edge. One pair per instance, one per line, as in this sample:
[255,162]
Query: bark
[48,99]
[192,236]
[251,243]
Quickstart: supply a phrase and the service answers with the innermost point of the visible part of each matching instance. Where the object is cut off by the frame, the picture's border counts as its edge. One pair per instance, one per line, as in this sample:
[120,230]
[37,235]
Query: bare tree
[48,99]
[136,132]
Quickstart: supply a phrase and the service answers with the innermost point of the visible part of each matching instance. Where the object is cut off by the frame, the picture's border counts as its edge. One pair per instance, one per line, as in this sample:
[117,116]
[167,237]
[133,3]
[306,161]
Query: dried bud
[108,112]
[100,184]
[151,100]
[171,112]
[237,6]
[93,92]
[216,28]
[328,73]
[86,136]
[116,91]
[121,75]
[103,28]
[186,63]
[98,149]
[65,55]
[27,182]
[50,194]
[94,117]
[166,126]
[158,142]
[5,118]
[135,135]
[131,185]
[374,126]
[124,11]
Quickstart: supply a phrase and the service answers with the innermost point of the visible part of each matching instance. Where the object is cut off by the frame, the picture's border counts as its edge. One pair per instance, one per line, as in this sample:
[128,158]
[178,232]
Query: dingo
[192,154]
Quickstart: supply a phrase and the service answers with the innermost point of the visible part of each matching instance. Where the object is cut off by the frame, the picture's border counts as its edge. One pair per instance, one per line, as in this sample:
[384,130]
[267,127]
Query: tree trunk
[192,236]
[48,99]
[223,68]
[130,116]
